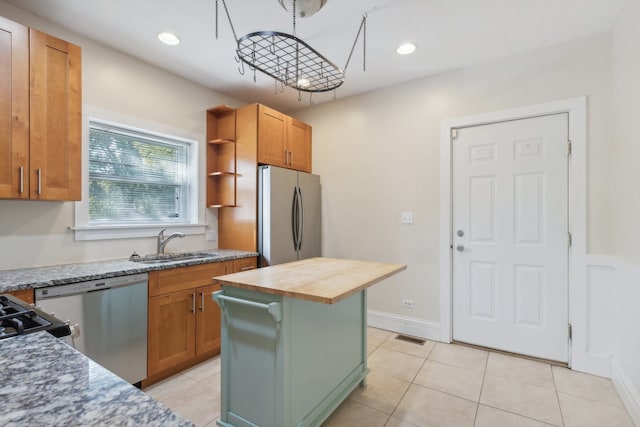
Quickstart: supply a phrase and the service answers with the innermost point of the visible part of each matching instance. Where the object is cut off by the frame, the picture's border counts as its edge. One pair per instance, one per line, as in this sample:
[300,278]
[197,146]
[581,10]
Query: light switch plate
[407,217]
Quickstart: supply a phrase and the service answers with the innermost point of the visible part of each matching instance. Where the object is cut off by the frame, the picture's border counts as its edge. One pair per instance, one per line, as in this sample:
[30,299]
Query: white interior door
[510,236]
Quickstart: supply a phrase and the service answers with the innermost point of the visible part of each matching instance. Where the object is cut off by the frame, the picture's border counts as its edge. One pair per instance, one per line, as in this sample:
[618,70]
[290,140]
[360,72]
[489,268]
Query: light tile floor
[434,384]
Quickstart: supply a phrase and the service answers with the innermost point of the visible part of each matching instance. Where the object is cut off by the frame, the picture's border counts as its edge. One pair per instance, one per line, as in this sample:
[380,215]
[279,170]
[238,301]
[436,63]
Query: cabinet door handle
[21,169]
[201,301]
[39,172]
[247,267]
[193,302]
[286,157]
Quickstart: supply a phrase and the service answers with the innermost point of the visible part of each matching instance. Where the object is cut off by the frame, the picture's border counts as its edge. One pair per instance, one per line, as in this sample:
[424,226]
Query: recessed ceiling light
[406,48]
[169,38]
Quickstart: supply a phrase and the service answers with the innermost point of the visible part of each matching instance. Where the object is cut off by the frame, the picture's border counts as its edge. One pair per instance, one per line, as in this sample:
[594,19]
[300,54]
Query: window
[136,177]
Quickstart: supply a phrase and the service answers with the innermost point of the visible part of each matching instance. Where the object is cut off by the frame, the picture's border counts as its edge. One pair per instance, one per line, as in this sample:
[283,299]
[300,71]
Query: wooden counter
[323,280]
[294,340]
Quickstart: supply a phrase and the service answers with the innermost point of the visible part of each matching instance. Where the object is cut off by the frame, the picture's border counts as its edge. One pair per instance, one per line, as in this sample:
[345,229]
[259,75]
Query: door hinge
[569,147]
[570,238]
[454,133]
[570,331]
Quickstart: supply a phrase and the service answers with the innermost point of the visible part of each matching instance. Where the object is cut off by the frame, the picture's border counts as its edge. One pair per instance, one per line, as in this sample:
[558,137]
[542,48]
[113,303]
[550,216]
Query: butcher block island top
[323,280]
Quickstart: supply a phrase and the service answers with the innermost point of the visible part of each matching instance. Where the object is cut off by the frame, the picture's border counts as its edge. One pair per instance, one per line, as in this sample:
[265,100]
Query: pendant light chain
[233,30]
[294,19]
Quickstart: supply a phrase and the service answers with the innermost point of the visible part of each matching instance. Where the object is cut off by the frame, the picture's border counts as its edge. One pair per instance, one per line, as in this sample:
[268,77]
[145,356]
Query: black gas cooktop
[18,317]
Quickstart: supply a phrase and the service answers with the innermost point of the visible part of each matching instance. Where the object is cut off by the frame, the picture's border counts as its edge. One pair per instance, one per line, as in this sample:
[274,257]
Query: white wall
[626,152]
[378,155]
[626,206]
[36,233]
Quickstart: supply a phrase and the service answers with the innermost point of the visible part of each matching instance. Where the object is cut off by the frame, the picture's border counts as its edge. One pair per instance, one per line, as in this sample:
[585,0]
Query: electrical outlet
[210,236]
[407,217]
[407,303]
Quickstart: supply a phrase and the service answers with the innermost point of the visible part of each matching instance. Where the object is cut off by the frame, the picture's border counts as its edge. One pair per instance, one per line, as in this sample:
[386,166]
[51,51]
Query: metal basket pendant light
[286,58]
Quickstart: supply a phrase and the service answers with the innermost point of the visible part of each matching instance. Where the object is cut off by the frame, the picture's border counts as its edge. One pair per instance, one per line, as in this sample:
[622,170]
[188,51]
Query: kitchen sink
[164,258]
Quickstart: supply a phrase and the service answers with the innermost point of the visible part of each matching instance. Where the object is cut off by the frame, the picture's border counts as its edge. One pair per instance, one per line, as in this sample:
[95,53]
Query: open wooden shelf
[221,157]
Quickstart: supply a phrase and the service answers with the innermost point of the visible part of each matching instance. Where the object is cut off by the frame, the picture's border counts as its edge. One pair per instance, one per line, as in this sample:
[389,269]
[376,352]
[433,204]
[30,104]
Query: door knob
[460,248]
[459,233]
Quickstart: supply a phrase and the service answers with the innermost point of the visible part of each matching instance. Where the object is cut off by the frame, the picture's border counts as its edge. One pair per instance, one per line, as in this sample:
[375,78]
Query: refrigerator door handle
[294,218]
[301,221]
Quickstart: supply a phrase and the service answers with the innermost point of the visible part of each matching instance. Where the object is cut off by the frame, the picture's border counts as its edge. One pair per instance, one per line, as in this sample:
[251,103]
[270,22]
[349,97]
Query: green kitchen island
[294,340]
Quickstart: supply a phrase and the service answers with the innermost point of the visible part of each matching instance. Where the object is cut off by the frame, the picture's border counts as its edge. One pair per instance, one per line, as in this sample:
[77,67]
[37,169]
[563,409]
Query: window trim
[195,224]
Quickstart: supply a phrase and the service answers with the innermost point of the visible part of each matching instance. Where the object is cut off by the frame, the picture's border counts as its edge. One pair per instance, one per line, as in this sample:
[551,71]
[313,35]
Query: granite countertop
[40,277]
[322,280]
[48,383]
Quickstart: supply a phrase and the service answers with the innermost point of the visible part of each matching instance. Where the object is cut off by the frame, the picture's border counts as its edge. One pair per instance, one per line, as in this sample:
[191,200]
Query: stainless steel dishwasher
[111,318]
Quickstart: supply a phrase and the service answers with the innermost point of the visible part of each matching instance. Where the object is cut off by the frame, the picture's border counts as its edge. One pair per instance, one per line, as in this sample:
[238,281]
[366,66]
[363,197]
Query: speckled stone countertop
[40,277]
[48,383]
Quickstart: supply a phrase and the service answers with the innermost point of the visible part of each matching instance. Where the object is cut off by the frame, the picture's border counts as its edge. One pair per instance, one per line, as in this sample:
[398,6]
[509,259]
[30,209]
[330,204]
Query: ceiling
[449,34]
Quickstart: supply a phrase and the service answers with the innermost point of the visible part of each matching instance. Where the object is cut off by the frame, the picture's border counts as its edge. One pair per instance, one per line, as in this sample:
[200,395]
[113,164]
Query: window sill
[133,231]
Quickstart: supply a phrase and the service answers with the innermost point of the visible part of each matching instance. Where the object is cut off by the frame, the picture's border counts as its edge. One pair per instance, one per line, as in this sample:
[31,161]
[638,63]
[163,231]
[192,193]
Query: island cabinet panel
[184,322]
[288,362]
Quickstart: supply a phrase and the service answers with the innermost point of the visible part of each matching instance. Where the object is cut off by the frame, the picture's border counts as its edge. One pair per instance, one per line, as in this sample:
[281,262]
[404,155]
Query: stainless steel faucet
[162,242]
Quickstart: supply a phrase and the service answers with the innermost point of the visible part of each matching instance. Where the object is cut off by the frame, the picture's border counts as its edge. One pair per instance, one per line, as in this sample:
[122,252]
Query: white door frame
[577,110]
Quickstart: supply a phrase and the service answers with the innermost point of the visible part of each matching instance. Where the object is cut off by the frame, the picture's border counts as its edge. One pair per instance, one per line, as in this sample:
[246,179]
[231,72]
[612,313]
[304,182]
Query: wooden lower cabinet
[207,321]
[184,321]
[244,264]
[25,295]
[172,326]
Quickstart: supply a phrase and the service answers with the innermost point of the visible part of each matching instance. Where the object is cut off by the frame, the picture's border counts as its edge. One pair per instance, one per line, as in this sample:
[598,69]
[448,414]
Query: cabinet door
[207,321]
[14,110]
[55,118]
[171,330]
[272,137]
[299,144]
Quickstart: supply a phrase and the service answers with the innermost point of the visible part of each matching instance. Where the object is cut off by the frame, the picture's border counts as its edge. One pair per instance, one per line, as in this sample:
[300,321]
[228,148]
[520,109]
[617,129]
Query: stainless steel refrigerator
[288,215]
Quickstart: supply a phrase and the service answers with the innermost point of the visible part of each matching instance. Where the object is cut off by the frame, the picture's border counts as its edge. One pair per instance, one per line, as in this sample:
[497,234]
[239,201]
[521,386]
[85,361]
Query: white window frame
[194,224]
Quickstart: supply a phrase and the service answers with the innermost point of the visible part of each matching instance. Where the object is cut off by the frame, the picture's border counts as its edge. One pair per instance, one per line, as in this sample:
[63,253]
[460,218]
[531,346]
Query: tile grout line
[555,388]
[410,384]
[484,375]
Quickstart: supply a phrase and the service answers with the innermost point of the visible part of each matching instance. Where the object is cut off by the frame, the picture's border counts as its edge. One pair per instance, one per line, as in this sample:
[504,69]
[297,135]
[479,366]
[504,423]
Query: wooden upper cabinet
[300,146]
[40,115]
[272,137]
[14,110]
[283,141]
[55,118]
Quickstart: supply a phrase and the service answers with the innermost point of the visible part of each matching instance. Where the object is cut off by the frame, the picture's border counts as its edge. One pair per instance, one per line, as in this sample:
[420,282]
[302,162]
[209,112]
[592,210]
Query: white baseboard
[628,393]
[404,325]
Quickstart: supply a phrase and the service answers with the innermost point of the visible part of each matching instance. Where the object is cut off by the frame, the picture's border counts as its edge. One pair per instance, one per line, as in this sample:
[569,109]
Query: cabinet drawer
[244,264]
[182,278]
[25,295]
